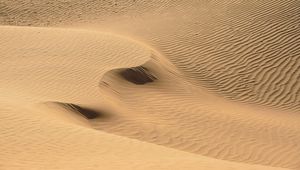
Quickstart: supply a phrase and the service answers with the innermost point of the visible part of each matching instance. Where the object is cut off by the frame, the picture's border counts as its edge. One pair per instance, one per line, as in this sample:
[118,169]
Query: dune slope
[149,84]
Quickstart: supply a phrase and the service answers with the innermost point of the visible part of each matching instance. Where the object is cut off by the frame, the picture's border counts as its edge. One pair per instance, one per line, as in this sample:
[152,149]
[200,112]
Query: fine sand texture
[142,85]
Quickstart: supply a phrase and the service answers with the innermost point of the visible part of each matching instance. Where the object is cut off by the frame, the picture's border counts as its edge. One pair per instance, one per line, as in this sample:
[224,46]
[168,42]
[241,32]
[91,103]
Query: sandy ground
[136,84]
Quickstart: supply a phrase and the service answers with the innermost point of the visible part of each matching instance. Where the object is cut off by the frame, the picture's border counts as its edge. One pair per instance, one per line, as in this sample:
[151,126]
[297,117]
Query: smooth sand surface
[136,84]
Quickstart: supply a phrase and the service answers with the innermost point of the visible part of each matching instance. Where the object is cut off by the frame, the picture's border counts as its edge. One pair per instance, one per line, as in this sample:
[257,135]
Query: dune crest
[143,85]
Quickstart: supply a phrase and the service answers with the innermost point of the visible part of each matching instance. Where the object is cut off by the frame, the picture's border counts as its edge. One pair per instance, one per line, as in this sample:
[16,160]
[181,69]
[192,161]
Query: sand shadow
[137,75]
[87,113]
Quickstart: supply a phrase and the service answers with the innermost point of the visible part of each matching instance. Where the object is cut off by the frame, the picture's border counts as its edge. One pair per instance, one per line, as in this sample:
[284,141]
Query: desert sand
[140,85]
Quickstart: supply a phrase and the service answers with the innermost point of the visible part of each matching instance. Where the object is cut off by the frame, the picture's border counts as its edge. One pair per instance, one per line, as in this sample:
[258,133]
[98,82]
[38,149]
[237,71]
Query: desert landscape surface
[144,85]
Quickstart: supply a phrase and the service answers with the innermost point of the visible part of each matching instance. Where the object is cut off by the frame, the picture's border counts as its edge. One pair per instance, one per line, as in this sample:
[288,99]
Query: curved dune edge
[192,124]
[197,121]
[24,145]
[221,89]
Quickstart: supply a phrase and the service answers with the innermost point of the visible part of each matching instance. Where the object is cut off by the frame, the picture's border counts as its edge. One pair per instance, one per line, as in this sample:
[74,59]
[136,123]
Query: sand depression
[149,84]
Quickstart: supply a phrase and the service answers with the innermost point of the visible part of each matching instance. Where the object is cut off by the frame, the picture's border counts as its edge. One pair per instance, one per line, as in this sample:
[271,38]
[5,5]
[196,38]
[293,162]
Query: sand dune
[149,84]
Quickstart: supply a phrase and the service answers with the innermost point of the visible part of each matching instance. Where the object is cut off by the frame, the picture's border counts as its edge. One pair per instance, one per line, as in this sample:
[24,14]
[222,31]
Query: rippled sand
[136,84]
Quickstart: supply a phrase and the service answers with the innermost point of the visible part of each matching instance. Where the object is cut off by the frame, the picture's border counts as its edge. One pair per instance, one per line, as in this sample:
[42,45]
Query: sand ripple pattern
[227,83]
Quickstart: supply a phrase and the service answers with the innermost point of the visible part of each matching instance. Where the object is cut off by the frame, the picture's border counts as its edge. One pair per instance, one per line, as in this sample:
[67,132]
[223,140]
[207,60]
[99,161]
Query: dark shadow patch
[138,75]
[86,112]
[83,111]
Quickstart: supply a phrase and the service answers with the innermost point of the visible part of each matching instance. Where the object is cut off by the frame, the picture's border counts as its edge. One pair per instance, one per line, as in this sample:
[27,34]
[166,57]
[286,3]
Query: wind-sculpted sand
[149,85]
